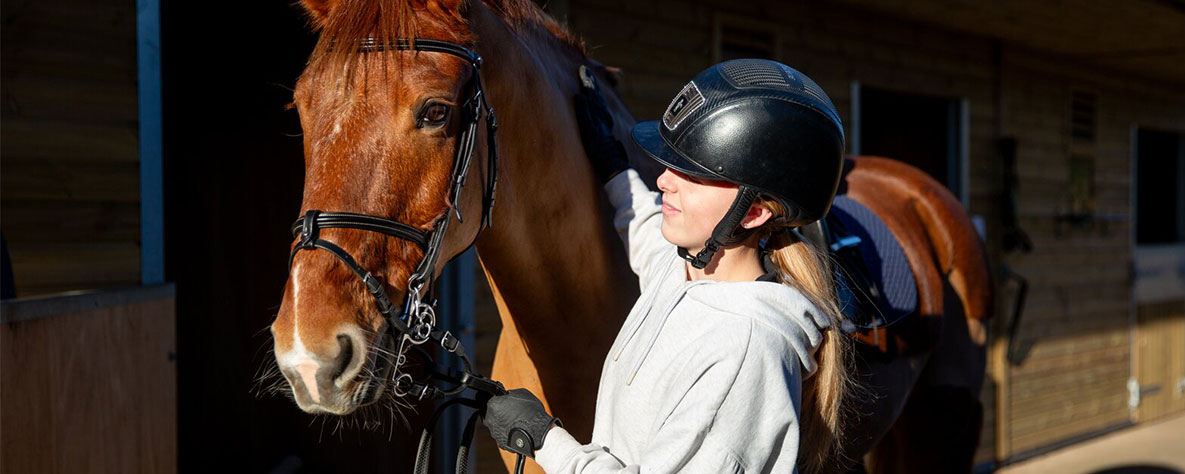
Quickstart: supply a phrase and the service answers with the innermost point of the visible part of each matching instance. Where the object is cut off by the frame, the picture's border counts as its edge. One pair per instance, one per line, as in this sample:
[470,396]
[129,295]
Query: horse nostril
[345,356]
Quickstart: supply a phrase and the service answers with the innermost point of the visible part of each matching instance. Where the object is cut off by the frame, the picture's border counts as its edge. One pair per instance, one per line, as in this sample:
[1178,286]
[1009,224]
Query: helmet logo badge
[687,102]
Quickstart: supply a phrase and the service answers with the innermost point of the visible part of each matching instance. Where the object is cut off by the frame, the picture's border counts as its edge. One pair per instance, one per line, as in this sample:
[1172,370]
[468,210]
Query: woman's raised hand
[605,153]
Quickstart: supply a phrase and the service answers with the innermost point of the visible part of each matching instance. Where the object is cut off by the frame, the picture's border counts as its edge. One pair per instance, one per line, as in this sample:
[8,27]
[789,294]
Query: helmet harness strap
[727,232]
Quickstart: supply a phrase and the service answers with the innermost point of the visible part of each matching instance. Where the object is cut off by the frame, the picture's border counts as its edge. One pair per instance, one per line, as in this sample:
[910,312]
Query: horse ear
[318,11]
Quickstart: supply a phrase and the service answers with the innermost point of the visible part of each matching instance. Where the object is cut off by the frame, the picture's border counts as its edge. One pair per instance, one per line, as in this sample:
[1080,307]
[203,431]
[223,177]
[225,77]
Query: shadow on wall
[1138,470]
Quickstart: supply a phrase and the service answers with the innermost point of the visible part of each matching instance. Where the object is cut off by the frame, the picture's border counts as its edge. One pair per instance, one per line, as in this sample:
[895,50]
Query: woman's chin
[680,239]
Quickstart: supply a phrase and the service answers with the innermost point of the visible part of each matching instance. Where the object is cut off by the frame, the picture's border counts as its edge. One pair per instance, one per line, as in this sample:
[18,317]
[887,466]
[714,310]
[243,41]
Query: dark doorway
[921,130]
[1160,187]
[234,171]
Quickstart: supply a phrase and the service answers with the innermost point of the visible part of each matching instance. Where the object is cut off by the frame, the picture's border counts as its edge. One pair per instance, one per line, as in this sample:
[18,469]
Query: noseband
[414,322]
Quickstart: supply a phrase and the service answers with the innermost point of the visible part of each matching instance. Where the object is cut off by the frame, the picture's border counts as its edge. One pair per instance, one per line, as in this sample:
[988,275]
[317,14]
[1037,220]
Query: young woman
[732,332]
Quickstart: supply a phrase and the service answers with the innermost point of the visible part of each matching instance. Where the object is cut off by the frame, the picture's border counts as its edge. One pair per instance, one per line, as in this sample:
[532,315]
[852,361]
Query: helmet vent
[751,73]
[814,90]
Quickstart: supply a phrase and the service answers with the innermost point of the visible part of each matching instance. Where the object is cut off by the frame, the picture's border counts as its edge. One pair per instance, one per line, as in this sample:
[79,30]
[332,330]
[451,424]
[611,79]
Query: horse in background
[380,129]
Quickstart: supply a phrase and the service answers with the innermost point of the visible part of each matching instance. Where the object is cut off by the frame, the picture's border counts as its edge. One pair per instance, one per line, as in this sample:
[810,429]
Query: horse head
[381,129]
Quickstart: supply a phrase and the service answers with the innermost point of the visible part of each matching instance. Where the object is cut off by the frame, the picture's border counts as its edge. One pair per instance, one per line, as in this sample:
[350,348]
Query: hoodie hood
[777,307]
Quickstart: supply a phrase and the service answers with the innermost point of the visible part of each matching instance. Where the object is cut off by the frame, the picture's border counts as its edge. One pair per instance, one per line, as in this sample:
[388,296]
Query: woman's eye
[432,115]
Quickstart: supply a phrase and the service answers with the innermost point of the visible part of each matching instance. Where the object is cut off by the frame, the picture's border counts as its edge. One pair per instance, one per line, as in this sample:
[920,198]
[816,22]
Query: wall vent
[1083,116]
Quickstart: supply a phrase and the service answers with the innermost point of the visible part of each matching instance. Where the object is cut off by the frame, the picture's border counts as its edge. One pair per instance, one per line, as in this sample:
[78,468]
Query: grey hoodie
[704,376]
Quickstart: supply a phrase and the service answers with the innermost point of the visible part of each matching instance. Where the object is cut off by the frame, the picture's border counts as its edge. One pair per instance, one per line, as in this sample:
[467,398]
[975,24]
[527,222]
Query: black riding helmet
[758,124]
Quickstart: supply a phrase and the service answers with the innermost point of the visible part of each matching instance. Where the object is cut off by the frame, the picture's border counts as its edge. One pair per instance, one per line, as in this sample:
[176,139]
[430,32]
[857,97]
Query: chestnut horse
[380,130]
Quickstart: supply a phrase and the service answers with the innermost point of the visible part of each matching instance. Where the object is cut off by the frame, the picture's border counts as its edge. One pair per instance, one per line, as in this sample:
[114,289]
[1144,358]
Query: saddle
[874,282]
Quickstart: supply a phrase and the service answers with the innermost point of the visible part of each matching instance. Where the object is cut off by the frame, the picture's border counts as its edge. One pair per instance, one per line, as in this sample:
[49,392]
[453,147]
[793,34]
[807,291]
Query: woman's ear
[318,11]
[757,216]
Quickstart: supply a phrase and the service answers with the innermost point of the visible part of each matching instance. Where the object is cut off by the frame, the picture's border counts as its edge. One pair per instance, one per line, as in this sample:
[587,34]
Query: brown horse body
[559,274]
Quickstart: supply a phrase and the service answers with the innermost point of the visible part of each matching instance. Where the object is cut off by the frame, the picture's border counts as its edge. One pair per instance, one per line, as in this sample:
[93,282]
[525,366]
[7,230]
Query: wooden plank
[1074,276]
[669,12]
[30,139]
[1111,406]
[1071,380]
[1052,411]
[64,180]
[1070,317]
[73,64]
[1072,298]
[66,410]
[78,266]
[1070,399]
[1026,441]
[999,369]
[1080,359]
[1059,347]
[69,99]
[71,39]
[65,221]
[641,32]
[93,18]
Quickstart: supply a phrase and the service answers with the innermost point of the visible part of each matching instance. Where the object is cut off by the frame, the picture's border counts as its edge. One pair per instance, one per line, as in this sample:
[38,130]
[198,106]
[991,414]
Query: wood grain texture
[1160,359]
[91,391]
[69,147]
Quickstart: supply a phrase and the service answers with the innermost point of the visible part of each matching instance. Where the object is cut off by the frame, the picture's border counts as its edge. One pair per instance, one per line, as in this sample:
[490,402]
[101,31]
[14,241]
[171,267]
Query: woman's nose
[665,180]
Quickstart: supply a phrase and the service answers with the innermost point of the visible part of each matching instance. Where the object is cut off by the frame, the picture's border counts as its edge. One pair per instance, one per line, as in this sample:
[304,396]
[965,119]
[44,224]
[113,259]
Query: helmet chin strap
[727,232]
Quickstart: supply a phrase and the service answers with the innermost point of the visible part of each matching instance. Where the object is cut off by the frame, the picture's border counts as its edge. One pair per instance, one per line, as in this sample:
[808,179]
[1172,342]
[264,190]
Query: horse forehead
[398,73]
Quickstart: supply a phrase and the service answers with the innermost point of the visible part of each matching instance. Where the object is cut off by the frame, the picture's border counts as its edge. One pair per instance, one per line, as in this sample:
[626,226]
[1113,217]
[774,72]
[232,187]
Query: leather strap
[727,231]
[372,45]
[349,220]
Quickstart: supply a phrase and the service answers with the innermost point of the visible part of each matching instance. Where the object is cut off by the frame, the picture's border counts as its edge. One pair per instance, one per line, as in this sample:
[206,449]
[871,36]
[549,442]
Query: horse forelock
[346,22]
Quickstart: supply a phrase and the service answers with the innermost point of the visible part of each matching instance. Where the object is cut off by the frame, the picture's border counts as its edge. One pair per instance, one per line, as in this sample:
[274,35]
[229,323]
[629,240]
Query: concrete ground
[1151,448]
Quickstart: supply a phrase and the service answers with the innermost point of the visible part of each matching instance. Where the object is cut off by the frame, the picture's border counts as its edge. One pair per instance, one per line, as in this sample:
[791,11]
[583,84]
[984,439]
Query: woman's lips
[668,210]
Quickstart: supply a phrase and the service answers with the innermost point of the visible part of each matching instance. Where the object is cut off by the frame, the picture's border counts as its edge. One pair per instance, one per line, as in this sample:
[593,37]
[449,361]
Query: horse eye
[432,115]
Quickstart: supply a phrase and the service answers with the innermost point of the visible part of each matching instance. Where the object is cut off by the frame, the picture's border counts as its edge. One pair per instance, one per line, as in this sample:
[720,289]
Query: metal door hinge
[1133,394]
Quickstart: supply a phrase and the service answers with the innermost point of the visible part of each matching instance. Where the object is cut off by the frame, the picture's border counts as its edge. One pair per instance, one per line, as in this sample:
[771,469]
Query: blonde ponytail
[825,396]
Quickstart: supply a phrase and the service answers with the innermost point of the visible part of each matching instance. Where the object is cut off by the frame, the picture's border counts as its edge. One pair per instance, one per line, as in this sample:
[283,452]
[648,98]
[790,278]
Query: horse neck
[551,257]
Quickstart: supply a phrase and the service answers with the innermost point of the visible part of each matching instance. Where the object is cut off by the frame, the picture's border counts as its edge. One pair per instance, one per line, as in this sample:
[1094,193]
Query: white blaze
[299,357]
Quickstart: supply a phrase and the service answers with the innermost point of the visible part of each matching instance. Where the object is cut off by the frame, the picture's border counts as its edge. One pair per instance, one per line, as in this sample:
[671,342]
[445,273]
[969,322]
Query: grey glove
[518,422]
[605,153]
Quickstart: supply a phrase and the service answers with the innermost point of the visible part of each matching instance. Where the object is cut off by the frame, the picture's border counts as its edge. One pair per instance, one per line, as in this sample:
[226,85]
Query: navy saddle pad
[875,283]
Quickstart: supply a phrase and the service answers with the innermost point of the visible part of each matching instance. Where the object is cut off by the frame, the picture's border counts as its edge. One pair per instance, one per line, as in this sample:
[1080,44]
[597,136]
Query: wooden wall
[89,383]
[1075,338]
[69,161]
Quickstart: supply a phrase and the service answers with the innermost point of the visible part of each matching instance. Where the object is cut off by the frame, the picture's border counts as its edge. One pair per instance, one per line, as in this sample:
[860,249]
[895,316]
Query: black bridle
[414,322]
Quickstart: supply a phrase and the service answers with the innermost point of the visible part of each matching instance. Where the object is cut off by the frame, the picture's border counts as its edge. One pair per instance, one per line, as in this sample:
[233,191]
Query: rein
[415,324]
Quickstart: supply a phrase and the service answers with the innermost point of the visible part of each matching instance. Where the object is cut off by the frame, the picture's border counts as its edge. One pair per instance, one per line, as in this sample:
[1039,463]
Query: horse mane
[349,21]
[525,14]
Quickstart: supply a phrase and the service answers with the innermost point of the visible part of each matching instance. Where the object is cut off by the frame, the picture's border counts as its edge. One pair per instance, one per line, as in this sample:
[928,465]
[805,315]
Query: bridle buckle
[309,231]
